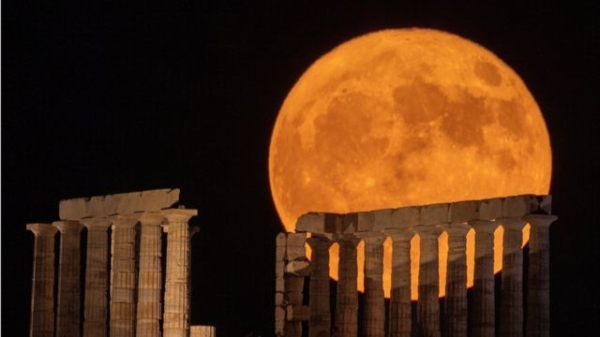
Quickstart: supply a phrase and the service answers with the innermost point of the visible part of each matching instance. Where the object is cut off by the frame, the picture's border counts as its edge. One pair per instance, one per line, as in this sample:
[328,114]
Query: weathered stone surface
[515,206]
[434,214]
[203,331]
[404,217]
[297,313]
[464,211]
[490,209]
[311,222]
[375,220]
[298,268]
[349,224]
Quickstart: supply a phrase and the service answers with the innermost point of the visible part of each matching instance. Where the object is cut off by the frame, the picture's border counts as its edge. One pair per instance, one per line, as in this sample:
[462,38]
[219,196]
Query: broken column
[346,313]
[69,297]
[42,287]
[320,314]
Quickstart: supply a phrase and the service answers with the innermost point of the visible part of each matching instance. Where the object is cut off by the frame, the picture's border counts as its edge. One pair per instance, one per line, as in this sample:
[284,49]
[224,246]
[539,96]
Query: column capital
[96,224]
[179,214]
[151,218]
[484,226]
[456,228]
[512,223]
[316,239]
[68,226]
[540,220]
[428,231]
[127,220]
[400,234]
[42,229]
[371,236]
[346,238]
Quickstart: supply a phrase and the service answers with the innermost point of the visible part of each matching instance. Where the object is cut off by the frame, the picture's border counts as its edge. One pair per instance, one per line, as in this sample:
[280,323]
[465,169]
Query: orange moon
[405,117]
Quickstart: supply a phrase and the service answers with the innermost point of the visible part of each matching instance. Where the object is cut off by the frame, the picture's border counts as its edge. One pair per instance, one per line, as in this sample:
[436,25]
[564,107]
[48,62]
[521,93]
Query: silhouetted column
[42,285]
[400,301]
[511,303]
[374,306]
[96,278]
[346,314]
[69,297]
[149,287]
[482,310]
[176,322]
[538,289]
[428,306]
[123,278]
[456,280]
[320,314]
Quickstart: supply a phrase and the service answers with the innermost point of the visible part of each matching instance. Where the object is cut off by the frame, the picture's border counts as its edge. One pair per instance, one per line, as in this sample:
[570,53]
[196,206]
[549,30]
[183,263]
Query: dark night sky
[101,98]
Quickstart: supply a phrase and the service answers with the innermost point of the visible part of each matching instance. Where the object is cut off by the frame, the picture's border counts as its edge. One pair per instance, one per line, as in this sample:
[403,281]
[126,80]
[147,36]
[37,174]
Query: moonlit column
[149,288]
[320,315]
[175,318]
[96,278]
[400,301]
[538,290]
[374,306]
[428,306]
[456,280]
[122,301]
[42,285]
[482,312]
[69,298]
[511,303]
[346,314]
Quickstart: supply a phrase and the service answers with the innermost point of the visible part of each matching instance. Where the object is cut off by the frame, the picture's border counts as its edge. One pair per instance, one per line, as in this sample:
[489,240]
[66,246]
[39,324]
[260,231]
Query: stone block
[545,202]
[281,240]
[464,211]
[296,239]
[404,217]
[434,214]
[490,209]
[515,206]
[297,313]
[374,220]
[72,209]
[311,222]
[295,253]
[279,299]
[349,224]
[298,268]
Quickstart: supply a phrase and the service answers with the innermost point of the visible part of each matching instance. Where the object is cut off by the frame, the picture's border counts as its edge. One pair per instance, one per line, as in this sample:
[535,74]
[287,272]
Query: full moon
[405,117]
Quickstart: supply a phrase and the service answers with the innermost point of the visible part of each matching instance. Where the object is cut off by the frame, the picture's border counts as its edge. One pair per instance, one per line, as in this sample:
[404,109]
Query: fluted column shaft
[538,290]
[456,280]
[320,314]
[149,287]
[175,318]
[374,306]
[482,310]
[346,315]
[511,303]
[400,301]
[42,285]
[69,297]
[96,278]
[428,306]
[123,277]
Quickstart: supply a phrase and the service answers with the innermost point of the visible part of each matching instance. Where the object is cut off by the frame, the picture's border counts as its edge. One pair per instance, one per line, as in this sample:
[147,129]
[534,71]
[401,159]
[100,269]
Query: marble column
[149,283]
[400,296]
[482,310]
[320,313]
[346,313]
[456,280]
[123,276]
[176,322]
[42,285]
[511,300]
[68,316]
[538,288]
[374,306]
[428,305]
[95,312]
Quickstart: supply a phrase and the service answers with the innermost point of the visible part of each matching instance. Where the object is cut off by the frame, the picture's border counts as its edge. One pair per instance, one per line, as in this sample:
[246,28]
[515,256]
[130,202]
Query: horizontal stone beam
[122,203]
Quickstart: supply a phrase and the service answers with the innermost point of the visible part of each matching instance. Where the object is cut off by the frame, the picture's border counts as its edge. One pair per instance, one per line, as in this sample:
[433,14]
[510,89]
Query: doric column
[123,276]
[320,314]
[176,322]
[538,288]
[428,306]
[456,280]
[69,297]
[95,313]
[42,285]
[400,301]
[374,305]
[149,285]
[482,310]
[346,314]
[511,303]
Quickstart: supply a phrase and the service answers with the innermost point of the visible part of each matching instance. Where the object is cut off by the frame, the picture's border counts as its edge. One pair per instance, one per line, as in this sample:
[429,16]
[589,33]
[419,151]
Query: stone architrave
[320,314]
[176,322]
[123,276]
[400,296]
[482,308]
[511,302]
[149,283]
[456,280]
[95,312]
[537,316]
[428,306]
[374,305]
[69,297]
[42,287]
[346,313]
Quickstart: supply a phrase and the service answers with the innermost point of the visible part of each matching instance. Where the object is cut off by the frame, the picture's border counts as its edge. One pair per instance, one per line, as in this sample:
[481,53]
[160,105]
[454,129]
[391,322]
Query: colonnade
[461,315]
[124,287]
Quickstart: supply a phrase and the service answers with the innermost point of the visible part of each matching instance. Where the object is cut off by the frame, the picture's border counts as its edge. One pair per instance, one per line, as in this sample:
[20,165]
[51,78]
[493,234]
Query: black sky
[103,97]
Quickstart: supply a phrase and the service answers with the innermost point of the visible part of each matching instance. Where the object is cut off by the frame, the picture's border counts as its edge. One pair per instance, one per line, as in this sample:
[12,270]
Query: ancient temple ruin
[522,310]
[125,292]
